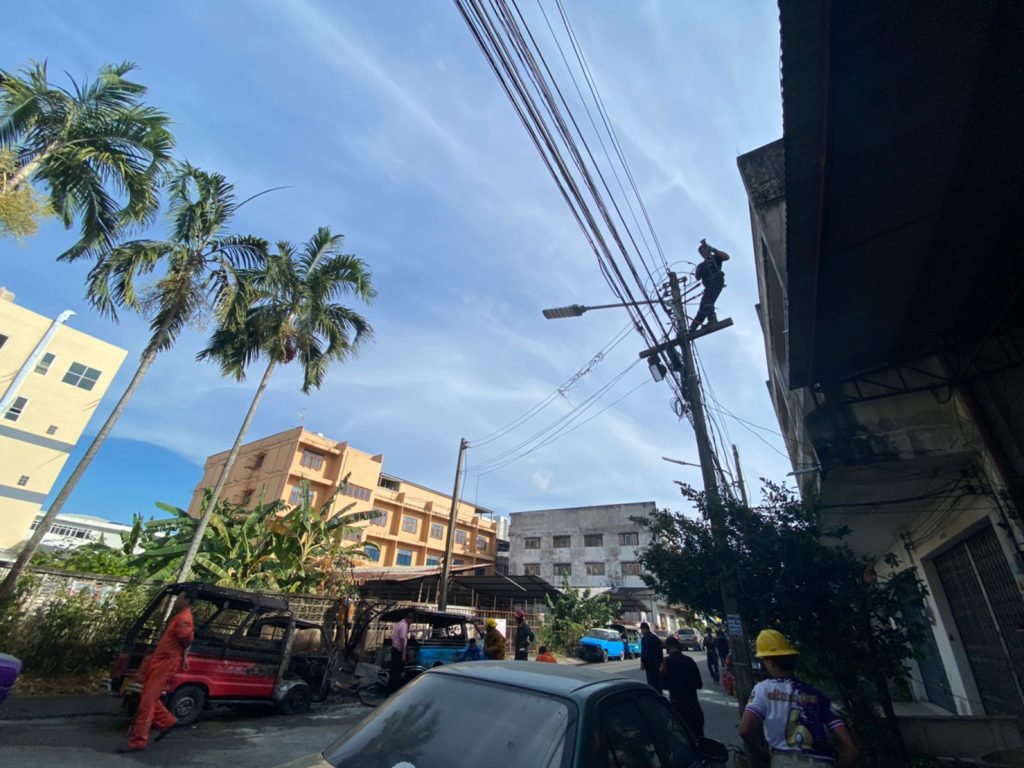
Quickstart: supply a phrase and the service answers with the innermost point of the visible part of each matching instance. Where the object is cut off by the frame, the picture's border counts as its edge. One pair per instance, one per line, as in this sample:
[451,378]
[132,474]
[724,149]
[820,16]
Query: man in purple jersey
[789,722]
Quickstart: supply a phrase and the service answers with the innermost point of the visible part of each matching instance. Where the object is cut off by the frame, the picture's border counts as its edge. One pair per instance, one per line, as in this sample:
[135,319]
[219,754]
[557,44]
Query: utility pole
[442,593]
[729,581]
[739,475]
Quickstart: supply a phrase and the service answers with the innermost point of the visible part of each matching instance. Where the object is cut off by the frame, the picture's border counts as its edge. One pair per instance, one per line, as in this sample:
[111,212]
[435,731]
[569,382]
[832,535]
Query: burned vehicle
[435,637]
[248,648]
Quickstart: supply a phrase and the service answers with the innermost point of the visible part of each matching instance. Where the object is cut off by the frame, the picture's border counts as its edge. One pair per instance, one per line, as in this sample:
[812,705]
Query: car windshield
[441,720]
[603,634]
[690,632]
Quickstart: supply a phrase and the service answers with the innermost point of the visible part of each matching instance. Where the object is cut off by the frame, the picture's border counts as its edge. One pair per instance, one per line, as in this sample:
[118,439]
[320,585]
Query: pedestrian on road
[170,657]
[399,643]
[543,654]
[787,722]
[682,678]
[712,652]
[494,642]
[524,637]
[722,646]
[650,656]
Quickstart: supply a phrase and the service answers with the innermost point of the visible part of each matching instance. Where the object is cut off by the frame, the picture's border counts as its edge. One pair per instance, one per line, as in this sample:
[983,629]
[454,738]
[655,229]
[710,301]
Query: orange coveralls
[156,671]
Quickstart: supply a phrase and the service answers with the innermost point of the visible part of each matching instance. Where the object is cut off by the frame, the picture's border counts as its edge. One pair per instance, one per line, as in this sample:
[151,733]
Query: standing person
[788,721]
[399,642]
[650,656]
[712,652]
[524,637]
[170,657]
[682,678]
[494,642]
[710,273]
[543,654]
[722,646]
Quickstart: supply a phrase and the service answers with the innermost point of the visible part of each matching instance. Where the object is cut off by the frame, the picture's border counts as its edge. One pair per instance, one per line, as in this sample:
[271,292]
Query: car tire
[296,701]
[604,655]
[187,704]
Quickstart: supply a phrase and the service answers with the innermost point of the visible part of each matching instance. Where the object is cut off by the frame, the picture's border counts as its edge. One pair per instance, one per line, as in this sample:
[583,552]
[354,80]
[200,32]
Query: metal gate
[929,663]
[988,610]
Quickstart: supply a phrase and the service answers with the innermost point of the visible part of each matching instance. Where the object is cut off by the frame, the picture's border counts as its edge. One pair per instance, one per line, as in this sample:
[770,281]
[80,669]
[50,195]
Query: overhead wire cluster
[598,187]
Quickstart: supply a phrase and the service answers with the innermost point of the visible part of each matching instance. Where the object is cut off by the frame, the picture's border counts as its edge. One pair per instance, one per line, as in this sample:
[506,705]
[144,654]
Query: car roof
[554,679]
[426,616]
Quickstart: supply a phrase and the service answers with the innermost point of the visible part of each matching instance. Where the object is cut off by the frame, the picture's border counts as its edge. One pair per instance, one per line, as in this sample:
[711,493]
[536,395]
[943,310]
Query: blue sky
[389,127]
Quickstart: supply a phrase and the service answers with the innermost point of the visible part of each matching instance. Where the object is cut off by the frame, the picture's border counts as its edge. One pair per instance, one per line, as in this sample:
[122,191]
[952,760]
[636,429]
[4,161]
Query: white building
[73,531]
[597,548]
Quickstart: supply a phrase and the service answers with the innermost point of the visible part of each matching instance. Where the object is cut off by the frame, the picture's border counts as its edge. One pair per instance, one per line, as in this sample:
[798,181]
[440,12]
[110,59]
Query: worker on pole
[710,273]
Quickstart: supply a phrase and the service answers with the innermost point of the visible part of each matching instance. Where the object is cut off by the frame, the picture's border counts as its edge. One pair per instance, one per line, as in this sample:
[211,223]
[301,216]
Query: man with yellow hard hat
[788,722]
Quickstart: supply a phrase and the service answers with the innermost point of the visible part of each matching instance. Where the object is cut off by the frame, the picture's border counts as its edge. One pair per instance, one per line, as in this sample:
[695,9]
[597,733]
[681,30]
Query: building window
[631,569]
[458,561]
[258,461]
[436,531]
[481,543]
[45,362]
[563,569]
[531,542]
[380,517]
[460,536]
[404,557]
[312,459]
[52,429]
[593,540]
[372,552]
[595,569]
[531,569]
[16,409]
[410,524]
[23,480]
[246,498]
[355,491]
[3,340]
[296,495]
[387,482]
[561,542]
[433,560]
[81,376]
[629,539]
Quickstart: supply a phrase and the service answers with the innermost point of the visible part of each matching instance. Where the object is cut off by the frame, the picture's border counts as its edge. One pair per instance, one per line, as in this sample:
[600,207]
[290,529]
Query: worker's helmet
[771,642]
[520,615]
[491,622]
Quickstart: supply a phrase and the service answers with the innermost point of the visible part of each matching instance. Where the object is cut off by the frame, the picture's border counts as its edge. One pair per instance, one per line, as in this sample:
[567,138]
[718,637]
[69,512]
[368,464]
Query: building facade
[74,531]
[596,548]
[410,522]
[52,378]
[893,325]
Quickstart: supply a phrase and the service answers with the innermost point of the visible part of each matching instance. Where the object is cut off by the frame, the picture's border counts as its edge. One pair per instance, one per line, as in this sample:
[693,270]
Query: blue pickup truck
[601,644]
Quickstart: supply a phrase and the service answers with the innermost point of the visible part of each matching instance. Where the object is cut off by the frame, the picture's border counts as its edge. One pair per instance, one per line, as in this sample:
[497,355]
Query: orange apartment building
[410,526]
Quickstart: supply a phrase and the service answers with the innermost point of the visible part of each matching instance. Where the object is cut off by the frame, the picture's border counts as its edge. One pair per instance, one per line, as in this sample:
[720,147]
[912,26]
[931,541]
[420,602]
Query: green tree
[795,576]
[200,264]
[297,548]
[96,148]
[91,558]
[573,612]
[288,310]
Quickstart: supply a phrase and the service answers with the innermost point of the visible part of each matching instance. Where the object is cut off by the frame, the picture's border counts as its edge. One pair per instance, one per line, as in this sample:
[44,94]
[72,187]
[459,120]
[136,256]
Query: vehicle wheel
[604,656]
[187,703]
[296,701]
[374,695]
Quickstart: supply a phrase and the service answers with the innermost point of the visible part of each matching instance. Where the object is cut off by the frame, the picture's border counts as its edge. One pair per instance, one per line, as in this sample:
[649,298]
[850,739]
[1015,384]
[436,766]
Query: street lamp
[577,310]
[678,461]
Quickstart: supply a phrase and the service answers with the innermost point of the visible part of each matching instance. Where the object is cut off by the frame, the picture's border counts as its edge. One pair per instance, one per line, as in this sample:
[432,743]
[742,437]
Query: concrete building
[411,521]
[597,548]
[501,564]
[73,531]
[887,248]
[52,378]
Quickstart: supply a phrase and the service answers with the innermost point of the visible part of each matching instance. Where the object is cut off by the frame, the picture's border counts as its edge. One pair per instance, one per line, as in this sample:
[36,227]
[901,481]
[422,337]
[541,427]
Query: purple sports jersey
[796,716]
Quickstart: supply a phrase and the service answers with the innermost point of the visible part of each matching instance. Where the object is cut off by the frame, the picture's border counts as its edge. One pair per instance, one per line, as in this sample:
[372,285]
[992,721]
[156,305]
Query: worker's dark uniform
[682,678]
[524,636]
[714,281]
[650,659]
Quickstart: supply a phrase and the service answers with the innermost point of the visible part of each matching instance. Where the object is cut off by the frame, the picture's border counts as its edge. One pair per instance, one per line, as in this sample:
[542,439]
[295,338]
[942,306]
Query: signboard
[735,625]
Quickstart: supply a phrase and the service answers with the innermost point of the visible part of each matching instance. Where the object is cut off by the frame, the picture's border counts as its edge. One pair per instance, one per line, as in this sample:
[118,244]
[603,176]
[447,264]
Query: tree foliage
[22,208]
[273,546]
[91,558]
[798,577]
[572,613]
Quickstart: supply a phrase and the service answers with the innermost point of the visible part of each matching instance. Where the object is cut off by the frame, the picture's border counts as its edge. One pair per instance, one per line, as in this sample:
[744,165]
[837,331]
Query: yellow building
[52,377]
[411,524]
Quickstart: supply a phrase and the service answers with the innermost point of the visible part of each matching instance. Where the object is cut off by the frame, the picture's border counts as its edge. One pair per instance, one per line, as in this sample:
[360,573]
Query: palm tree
[96,147]
[200,262]
[289,313]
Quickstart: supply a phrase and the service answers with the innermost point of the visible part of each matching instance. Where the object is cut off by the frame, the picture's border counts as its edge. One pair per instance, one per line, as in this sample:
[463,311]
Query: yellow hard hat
[491,622]
[771,642]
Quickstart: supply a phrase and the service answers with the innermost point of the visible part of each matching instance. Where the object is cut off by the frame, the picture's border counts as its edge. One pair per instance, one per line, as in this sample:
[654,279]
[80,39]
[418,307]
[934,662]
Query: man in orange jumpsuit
[169,657]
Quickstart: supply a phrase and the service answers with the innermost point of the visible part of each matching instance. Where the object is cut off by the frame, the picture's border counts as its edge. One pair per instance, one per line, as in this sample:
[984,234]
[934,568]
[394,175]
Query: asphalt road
[253,738]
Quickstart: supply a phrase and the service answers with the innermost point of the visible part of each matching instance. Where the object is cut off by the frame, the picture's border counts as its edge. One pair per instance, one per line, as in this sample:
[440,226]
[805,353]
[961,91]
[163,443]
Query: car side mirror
[713,751]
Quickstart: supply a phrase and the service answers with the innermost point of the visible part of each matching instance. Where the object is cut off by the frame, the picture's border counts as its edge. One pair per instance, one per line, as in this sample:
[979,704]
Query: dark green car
[490,713]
